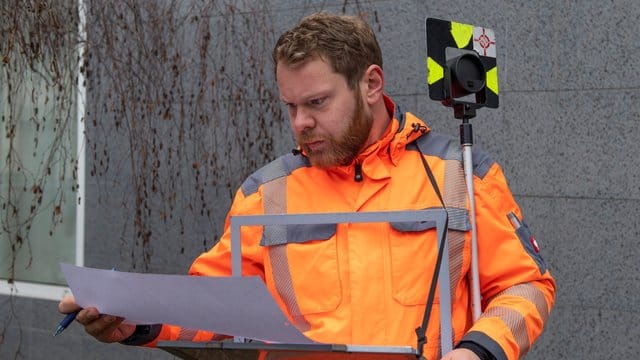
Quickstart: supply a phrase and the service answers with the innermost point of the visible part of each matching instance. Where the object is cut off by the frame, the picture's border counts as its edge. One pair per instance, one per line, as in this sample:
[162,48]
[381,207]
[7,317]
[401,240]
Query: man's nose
[302,120]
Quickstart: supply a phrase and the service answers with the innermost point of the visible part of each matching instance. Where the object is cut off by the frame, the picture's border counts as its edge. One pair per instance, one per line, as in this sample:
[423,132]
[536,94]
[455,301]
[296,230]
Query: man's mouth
[315,145]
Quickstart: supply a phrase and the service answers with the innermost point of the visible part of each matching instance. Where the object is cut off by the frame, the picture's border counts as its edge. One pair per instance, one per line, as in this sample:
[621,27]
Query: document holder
[224,350]
[239,349]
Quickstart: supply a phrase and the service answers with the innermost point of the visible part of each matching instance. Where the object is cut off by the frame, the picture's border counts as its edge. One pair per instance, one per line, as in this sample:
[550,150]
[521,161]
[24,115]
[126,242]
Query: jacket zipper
[358,176]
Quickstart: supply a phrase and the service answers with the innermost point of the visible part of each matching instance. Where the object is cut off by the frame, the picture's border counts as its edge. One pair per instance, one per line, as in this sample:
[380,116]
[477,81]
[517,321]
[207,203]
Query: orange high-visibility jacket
[368,283]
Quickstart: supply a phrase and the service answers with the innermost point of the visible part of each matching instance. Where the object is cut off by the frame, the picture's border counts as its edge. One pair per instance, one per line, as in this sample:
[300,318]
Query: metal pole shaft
[466,140]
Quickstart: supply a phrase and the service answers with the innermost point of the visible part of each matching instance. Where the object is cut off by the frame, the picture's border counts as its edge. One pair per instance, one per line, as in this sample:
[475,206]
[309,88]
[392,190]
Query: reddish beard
[343,149]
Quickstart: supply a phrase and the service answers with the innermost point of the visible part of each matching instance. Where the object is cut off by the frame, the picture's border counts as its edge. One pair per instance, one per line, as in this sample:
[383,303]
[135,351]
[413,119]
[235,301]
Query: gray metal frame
[438,215]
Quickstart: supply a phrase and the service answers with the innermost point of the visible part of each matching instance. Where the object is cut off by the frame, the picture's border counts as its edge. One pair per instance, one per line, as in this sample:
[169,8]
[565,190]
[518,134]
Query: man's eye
[316,101]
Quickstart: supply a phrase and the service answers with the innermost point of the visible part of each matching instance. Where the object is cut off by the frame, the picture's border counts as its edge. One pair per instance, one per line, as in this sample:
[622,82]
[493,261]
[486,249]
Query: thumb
[68,305]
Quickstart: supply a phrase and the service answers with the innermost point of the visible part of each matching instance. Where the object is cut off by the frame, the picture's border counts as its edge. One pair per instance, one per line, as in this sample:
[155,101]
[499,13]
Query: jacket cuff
[479,350]
[481,340]
[143,334]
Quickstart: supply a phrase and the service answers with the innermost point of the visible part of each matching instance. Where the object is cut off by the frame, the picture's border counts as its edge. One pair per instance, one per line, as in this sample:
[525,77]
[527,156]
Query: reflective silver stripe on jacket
[514,321]
[275,202]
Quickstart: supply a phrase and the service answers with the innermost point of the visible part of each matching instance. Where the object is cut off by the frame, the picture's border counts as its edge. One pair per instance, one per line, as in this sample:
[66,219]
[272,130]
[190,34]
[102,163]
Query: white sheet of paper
[235,306]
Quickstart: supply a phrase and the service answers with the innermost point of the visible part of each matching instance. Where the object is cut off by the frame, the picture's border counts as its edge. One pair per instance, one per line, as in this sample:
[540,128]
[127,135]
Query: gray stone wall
[565,133]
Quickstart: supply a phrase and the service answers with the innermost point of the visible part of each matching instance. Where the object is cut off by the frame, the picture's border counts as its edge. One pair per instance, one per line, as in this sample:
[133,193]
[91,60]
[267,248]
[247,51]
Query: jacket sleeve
[516,287]
[215,262]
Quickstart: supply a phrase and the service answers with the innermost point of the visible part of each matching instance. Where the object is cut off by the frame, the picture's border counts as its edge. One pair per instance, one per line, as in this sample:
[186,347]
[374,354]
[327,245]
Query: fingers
[87,316]
[68,305]
[104,327]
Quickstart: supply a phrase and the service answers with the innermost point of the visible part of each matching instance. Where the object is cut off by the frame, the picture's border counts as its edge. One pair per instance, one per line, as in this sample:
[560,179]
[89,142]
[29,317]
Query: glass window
[39,155]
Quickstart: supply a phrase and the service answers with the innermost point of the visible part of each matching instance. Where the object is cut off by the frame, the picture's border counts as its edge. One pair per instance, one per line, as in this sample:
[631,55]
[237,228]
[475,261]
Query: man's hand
[461,354]
[104,328]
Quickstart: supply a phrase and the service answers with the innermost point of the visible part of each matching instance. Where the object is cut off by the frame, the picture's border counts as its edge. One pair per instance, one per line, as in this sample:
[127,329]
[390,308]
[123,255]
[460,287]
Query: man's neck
[381,119]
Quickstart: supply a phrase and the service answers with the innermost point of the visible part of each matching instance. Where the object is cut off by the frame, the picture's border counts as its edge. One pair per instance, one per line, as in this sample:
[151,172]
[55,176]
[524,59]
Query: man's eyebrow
[318,94]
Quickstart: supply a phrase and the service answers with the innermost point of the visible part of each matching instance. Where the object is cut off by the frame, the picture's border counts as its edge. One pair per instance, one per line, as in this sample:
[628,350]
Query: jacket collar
[403,129]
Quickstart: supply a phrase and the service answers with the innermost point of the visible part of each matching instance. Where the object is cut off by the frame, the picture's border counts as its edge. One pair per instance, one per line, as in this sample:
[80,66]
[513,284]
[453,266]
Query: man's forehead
[313,78]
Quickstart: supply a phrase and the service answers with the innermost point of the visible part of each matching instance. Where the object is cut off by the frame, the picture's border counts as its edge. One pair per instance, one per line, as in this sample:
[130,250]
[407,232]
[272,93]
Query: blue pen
[65,322]
[68,320]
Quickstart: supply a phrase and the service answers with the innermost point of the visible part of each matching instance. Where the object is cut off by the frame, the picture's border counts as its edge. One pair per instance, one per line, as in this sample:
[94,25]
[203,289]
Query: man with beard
[368,283]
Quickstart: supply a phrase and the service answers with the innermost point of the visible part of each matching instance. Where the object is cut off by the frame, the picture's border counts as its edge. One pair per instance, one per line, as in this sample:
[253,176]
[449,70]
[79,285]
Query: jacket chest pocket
[302,267]
[413,248]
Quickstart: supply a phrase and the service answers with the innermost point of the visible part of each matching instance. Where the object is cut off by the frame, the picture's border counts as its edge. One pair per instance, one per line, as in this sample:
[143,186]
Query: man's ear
[373,79]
